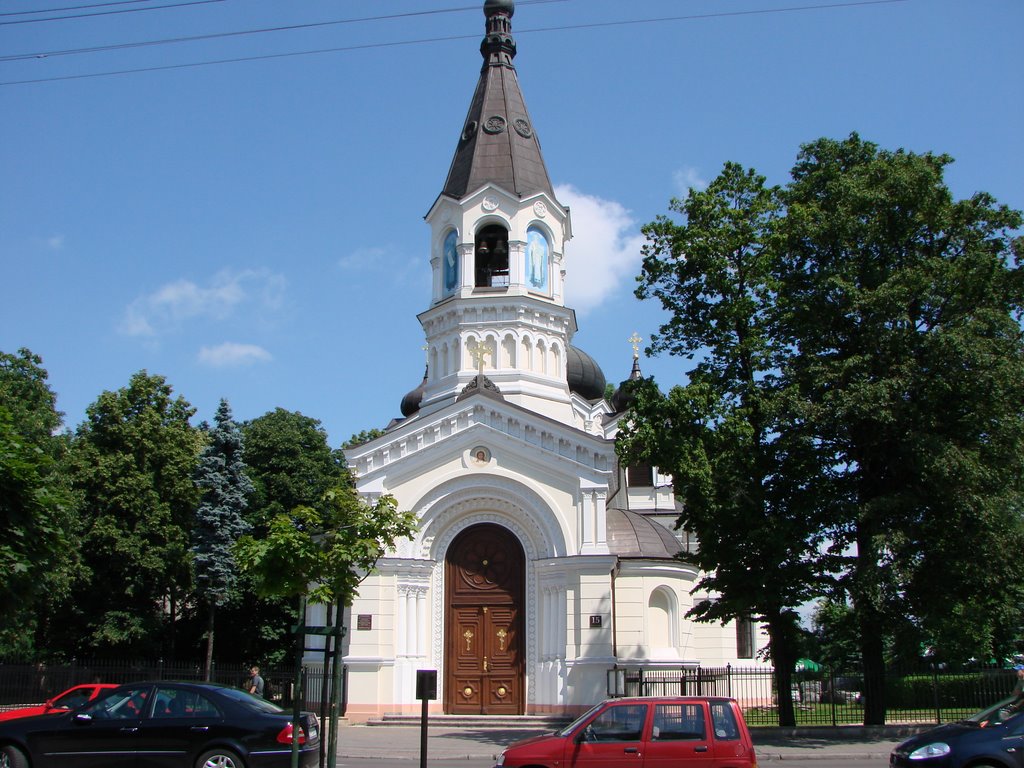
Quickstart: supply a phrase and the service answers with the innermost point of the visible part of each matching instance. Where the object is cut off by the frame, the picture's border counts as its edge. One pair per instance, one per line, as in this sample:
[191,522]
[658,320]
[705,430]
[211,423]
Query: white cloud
[688,178]
[55,242]
[604,251]
[177,302]
[363,259]
[230,354]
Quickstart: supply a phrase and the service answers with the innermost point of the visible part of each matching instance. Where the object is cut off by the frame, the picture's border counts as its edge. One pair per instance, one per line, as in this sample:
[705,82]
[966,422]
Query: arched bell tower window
[492,257]
[451,261]
[537,260]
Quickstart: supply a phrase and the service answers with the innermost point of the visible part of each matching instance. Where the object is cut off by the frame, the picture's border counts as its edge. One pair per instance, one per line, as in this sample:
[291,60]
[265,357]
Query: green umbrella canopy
[807,665]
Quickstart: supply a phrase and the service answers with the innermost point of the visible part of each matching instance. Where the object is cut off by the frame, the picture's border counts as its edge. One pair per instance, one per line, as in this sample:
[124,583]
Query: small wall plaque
[365,621]
[595,621]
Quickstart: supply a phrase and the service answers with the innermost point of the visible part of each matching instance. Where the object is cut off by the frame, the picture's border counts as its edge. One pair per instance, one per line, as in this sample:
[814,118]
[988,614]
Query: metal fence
[831,697]
[821,697]
[23,683]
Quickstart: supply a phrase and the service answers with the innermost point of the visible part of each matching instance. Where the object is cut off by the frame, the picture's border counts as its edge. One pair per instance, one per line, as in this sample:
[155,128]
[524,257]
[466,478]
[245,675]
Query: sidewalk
[770,744]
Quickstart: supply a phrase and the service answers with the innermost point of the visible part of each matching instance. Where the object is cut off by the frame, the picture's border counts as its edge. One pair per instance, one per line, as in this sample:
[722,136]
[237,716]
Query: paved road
[358,742]
[481,762]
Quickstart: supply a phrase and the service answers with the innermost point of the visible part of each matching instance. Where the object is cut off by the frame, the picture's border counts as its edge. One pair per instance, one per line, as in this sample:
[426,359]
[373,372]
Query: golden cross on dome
[478,354]
[636,341]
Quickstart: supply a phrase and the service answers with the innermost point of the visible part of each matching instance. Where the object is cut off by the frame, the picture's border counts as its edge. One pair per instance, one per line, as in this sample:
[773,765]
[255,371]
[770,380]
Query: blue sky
[253,229]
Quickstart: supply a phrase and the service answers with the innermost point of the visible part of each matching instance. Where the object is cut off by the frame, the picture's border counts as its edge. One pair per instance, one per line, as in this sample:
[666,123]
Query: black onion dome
[492,7]
[584,375]
[624,395]
[411,402]
[632,535]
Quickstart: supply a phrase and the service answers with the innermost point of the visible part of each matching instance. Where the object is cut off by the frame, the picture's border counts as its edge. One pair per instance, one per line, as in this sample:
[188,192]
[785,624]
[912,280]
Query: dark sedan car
[162,725]
[993,738]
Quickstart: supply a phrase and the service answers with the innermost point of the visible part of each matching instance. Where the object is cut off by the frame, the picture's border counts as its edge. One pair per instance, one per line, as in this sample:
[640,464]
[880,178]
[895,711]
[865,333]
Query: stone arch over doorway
[485,642]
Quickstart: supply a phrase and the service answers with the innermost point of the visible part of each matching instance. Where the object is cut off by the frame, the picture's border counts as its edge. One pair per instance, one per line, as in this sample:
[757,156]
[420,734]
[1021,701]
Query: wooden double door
[485,575]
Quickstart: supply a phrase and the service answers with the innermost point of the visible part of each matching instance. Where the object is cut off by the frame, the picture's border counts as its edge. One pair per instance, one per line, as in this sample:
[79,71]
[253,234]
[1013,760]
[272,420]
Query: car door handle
[701,749]
[631,750]
[133,729]
[199,728]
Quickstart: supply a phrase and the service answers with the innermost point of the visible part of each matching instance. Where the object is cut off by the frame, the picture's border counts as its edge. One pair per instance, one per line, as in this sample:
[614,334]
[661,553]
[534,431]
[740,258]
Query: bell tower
[498,236]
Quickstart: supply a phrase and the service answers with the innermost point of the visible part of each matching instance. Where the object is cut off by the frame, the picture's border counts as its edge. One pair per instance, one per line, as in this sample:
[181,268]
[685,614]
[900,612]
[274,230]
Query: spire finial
[498,47]
[636,341]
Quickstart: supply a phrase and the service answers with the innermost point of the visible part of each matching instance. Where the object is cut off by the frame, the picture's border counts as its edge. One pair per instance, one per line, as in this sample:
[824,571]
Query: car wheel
[218,758]
[12,757]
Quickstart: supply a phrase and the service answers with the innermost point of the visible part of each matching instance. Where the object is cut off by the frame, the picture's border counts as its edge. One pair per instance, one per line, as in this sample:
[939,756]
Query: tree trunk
[782,630]
[873,659]
[866,595]
[208,665]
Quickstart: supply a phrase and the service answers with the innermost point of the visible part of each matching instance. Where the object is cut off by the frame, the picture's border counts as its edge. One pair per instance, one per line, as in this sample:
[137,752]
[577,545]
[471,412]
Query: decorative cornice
[559,441]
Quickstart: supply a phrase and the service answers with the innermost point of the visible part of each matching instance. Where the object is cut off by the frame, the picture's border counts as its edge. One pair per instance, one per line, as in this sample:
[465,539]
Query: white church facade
[539,564]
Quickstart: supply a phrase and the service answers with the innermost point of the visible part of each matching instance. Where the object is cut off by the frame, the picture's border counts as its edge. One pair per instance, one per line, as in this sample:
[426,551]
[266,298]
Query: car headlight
[935,749]
[501,760]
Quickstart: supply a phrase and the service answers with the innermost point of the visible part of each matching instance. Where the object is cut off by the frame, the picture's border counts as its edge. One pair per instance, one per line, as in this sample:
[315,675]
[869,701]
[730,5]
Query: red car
[72,698]
[669,732]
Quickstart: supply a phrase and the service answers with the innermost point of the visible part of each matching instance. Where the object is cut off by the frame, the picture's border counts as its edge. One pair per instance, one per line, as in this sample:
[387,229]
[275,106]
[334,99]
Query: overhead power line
[396,43]
[72,8]
[239,33]
[107,13]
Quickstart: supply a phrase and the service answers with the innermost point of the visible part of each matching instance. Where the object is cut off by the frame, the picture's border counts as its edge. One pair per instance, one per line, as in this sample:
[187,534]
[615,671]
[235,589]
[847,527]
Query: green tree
[363,437]
[862,394]
[132,462]
[324,552]
[743,480]
[38,535]
[291,464]
[219,521]
[320,555]
[903,307]
[835,629]
[26,394]
[35,536]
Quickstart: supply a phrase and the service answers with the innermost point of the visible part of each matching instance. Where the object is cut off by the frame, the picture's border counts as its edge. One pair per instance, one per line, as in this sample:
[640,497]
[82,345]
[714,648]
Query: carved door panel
[484,659]
[465,660]
[501,654]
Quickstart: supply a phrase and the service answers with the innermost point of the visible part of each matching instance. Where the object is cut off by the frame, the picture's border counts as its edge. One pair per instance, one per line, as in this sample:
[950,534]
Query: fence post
[832,692]
[728,680]
[935,694]
[642,685]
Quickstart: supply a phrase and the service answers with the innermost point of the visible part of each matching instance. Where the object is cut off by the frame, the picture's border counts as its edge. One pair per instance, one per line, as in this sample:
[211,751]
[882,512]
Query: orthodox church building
[540,564]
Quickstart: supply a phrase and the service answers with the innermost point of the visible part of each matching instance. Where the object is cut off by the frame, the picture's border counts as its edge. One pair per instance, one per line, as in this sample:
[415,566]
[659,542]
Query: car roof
[669,699]
[193,683]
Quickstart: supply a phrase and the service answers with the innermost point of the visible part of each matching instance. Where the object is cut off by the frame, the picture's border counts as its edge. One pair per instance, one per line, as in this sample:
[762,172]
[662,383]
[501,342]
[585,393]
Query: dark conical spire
[498,143]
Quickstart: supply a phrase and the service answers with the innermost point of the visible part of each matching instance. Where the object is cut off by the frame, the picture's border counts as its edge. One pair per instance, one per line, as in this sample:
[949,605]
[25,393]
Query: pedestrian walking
[256,684]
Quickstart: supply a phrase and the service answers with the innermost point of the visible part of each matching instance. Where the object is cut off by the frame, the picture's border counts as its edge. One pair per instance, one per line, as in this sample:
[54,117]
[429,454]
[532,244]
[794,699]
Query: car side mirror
[587,734]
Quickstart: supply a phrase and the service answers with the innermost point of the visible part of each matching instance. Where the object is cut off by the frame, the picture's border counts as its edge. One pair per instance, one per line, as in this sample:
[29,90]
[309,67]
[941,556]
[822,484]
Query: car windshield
[997,713]
[579,720]
[248,700]
[71,699]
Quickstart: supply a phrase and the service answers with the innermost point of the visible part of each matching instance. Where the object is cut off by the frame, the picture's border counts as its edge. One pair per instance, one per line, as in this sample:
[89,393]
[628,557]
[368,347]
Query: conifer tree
[219,518]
